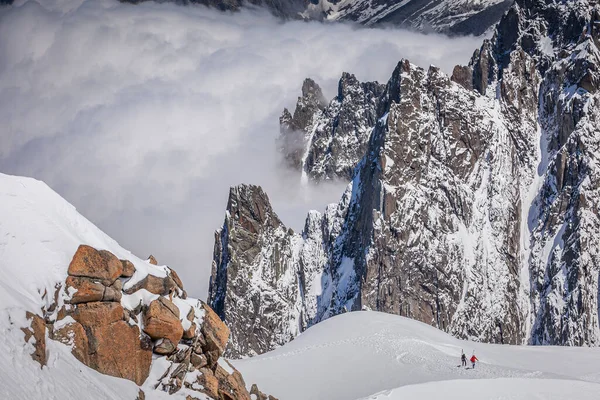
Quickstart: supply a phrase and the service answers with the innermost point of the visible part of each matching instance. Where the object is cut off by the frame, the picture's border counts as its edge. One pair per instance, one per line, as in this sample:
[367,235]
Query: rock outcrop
[328,141]
[99,265]
[473,207]
[36,335]
[453,17]
[114,325]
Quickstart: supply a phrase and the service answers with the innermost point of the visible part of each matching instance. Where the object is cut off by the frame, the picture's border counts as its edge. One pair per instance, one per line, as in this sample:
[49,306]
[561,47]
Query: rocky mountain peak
[545,30]
[311,102]
[312,93]
[345,85]
[294,129]
[253,261]
[325,141]
[249,206]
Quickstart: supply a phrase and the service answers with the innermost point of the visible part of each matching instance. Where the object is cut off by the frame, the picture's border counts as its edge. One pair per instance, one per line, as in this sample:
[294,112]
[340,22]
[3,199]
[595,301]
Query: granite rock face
[114,326]
[473,206]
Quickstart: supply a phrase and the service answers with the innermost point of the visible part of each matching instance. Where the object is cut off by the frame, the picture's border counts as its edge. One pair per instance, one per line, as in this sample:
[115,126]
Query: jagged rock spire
[325,141]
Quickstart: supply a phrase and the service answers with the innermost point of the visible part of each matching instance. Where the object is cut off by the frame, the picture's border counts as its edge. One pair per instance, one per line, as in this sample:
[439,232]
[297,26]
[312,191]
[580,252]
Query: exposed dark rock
[250,223]
[463,76]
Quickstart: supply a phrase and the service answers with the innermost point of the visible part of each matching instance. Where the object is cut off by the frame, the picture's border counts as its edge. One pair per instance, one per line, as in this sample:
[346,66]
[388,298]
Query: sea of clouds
[143,116]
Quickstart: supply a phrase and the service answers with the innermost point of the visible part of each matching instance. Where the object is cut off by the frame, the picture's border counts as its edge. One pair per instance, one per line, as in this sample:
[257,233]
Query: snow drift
[367,354]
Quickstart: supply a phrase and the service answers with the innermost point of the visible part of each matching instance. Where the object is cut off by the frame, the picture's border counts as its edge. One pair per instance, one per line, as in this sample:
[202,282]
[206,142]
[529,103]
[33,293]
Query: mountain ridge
[471,208]
[463,17]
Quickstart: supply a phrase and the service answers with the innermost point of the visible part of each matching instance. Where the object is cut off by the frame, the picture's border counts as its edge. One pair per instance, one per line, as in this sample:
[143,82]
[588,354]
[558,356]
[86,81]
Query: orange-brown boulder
[155,285]
[215,332]
[190,333]
[37,331]
[128,268]
[198,360]
[170,305]
[114,292]
[97,314]
[113,346]
[231,386]
[212,356]
[119,352]
[91,263]
[152,260]
[175,278]
[199,343]
[209,382]
[73,334]
[90,290]
[161,321]
[87,290]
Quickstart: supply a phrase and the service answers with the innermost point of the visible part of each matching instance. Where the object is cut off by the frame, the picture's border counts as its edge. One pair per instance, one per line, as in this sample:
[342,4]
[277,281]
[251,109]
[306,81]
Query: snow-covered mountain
[462,17]
[473,17]
[371,355]
[472,207]
[100,322]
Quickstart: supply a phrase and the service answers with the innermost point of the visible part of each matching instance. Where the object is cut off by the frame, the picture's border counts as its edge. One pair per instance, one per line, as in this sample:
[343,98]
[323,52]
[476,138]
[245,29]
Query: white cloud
[143,116]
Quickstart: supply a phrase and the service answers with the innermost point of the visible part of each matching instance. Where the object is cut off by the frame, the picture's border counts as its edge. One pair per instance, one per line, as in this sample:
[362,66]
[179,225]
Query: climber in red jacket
[473,360]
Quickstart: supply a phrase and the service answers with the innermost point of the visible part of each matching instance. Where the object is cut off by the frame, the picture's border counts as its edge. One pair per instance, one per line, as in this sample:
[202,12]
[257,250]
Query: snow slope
[380,356]
[39,233]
